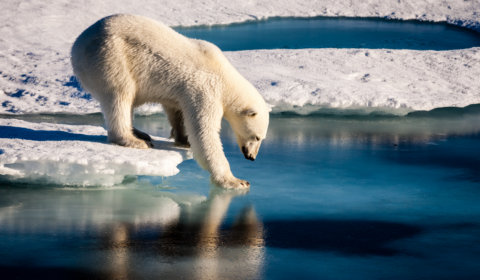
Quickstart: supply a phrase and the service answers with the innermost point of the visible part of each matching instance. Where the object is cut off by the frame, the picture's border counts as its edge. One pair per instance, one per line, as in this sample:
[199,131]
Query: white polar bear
[125,61]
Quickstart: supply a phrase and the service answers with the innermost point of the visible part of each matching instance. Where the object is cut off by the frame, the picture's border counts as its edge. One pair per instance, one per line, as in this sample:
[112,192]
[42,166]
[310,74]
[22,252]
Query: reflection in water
[135,235]
[344,131]
[340,197]
[219,253]
[337,130]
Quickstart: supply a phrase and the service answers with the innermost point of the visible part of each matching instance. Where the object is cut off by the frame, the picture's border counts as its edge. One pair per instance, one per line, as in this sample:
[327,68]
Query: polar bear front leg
[203,134]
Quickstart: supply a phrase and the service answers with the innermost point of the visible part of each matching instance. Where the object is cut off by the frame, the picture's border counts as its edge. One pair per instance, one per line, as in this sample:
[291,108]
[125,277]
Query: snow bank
[78,155]
[36,76]
[394,81]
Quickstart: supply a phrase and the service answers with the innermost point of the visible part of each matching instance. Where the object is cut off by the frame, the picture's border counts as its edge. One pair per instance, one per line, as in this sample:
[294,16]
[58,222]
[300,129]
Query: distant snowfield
[36,76]
[78,155]
[389,81]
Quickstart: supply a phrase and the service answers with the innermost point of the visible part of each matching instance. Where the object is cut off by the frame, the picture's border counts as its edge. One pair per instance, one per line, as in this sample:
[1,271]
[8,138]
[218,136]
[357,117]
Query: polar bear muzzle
[247,154]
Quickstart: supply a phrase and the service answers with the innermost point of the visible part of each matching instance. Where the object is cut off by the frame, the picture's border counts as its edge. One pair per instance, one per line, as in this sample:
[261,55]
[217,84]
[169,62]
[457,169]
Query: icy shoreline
[78,155]
[389,81]
[36,76]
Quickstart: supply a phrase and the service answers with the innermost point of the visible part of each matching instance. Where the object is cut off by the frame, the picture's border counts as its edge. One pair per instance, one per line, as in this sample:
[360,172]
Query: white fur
[125,61]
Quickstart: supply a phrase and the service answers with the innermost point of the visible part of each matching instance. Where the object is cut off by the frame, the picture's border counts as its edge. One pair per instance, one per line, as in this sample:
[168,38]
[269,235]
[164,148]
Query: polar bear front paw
[233,183]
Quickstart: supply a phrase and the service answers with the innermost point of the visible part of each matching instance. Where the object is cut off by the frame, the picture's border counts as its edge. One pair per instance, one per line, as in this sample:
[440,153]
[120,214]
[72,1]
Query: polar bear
[125,61]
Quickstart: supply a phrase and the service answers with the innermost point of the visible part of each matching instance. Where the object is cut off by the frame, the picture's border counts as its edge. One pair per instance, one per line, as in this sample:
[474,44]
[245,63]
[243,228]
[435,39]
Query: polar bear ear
[249,112]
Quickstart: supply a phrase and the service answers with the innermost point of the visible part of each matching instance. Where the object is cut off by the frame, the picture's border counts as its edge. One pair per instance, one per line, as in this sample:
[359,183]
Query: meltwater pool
[338,32]
[332,197]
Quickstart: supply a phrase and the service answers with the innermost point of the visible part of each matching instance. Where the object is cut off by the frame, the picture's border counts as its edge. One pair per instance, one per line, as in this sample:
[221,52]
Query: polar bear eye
[249,112]
[257,138]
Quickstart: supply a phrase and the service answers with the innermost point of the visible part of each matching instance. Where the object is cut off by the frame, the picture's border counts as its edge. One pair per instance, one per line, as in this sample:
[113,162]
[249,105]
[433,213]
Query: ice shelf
[78,155]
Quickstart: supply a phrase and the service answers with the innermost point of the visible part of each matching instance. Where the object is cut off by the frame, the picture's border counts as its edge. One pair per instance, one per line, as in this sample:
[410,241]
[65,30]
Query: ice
[78,155]
[362,80]
[36,75]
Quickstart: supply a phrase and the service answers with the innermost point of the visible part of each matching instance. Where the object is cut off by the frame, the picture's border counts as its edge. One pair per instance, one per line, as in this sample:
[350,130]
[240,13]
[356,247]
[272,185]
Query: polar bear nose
[246,155]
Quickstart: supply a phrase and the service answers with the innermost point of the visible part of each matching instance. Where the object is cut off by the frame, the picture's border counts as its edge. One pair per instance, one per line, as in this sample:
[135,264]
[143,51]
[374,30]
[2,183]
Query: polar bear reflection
[128,234]
[195,236]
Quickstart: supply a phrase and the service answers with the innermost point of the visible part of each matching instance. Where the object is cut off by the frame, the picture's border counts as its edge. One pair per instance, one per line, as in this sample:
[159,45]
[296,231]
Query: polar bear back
[134,53]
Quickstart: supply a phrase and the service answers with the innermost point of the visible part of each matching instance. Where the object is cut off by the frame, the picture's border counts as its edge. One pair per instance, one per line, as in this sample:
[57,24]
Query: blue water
[332,197]
[325,32]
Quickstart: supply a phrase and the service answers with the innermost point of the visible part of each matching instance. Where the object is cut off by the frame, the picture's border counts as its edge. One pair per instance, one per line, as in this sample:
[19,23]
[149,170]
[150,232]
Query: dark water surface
[337,32]
[332,197]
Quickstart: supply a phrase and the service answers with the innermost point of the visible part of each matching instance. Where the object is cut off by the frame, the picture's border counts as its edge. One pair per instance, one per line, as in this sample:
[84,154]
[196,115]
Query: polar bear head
[250,126]
[245,110]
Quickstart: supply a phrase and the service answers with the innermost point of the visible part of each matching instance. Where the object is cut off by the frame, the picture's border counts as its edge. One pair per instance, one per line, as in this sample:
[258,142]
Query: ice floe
[393,81]
[78,155]
[36,76]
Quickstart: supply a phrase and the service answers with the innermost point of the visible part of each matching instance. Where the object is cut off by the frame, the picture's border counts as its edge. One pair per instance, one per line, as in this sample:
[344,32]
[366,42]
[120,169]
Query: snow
[36,76]
[78,155]
[393,81]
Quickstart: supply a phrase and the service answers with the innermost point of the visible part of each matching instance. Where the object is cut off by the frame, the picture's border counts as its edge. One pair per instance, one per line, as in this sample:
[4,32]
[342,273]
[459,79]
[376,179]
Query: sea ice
[78,155]
[393,81]
[36,75]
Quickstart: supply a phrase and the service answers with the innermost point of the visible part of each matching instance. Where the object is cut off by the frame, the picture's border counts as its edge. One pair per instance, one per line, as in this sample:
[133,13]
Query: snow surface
[78,155]
[394,81]
[36,76]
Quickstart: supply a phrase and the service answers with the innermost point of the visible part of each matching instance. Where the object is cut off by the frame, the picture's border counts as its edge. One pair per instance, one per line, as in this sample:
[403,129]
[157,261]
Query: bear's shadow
[11,132]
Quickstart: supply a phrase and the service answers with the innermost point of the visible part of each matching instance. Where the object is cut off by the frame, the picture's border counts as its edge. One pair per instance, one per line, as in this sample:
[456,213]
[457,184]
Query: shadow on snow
[46,135]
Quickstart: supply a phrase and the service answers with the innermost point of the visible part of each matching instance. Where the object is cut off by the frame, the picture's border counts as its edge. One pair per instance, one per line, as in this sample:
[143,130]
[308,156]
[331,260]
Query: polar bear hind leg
[118,115]
[142,135]
[178,133]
